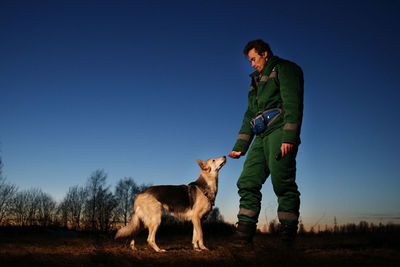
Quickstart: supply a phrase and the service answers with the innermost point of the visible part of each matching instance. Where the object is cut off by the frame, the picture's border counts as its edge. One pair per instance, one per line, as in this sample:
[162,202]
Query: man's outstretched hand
[235,154]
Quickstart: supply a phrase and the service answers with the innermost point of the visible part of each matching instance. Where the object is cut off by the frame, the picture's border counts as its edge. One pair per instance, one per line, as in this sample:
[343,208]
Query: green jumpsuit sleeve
[245,134]
[291,88]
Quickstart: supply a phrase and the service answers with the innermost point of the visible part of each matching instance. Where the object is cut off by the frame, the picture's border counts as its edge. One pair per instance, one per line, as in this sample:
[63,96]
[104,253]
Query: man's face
[257,61]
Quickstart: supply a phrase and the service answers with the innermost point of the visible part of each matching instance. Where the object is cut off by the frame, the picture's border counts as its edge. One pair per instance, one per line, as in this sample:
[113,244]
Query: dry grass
[57,248]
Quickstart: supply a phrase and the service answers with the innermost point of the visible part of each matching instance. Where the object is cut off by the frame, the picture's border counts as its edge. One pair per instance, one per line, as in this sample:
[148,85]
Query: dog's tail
[132,227]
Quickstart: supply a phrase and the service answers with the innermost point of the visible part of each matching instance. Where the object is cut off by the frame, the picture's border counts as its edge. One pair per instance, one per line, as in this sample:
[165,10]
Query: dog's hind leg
[152,223]
[151,239]
[150,215]
[132,244]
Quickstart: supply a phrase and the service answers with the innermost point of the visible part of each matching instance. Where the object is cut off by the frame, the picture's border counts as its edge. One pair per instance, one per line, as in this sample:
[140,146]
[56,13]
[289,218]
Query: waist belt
[261,122]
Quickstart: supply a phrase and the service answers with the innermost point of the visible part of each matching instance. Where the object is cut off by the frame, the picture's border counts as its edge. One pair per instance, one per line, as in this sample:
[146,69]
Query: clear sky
[144,88]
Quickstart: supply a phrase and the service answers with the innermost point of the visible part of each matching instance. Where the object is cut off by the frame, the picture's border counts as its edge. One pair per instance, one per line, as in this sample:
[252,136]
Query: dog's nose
[224,157]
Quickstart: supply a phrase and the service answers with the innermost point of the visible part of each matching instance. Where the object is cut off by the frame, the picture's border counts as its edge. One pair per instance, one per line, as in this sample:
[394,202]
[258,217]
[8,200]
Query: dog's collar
[205,192]
[207,195]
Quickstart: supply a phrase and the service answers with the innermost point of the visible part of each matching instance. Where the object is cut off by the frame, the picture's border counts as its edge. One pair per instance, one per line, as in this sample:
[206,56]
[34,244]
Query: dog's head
[212,165]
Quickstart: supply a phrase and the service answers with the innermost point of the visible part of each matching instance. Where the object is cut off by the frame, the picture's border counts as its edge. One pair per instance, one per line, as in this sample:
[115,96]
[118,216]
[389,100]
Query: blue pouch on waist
[261,122]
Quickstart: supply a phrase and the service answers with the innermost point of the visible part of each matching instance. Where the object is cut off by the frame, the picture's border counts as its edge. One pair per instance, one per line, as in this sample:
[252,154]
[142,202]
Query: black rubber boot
[243,237]
[288,234]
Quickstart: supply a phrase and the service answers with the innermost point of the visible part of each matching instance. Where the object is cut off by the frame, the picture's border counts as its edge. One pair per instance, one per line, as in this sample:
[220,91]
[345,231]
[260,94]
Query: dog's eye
[213,160]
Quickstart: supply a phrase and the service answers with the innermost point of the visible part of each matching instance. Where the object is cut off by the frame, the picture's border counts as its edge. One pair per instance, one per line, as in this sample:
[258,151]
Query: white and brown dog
[188,202]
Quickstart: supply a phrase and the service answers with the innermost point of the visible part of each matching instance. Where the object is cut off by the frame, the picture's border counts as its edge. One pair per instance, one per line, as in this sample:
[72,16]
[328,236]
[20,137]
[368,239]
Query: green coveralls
[279,85]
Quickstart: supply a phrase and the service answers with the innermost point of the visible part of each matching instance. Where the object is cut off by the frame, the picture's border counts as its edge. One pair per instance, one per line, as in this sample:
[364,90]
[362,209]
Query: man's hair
[260,46]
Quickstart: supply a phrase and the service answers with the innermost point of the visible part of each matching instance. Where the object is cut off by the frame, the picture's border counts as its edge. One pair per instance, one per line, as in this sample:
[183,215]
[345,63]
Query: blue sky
[144,88]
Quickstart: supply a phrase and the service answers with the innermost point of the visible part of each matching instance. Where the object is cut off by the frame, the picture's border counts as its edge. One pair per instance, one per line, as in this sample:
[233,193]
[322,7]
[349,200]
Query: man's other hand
[286,148]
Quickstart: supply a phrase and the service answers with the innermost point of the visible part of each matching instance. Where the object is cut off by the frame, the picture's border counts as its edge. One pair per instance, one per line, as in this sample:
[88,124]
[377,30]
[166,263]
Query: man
[276,97]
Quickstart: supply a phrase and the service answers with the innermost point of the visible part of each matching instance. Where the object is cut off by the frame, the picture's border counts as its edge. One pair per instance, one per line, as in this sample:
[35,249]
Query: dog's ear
[202,165]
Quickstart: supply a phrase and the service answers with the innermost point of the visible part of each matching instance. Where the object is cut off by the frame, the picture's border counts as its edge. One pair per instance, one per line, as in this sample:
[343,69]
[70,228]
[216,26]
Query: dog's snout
[223,160]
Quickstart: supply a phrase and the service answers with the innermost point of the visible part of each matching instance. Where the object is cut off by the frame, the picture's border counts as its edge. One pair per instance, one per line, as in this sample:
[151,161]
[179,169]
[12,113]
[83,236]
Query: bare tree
[125,193]
[46,208]
[71,207]
[106,205]
[100,202]
[7,193]
[33,205]
[62,212]
[25,206]
[94,186]
[19,208]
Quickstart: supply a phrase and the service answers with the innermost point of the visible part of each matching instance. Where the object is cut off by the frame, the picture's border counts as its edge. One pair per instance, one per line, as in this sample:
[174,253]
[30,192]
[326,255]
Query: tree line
[91,207]
[95,207]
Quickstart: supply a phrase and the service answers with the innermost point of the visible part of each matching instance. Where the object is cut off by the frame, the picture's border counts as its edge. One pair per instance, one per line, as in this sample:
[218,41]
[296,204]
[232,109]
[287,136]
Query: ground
[67,248]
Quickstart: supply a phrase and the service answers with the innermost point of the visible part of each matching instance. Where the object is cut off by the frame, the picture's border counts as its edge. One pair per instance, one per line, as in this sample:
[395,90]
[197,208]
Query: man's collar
[268,67]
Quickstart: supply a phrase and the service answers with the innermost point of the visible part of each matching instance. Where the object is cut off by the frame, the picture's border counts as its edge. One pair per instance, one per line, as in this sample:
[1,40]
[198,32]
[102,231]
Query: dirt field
[58,248]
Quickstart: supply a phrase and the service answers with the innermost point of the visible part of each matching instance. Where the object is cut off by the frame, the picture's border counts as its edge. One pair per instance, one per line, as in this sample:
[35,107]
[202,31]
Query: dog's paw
[201,249]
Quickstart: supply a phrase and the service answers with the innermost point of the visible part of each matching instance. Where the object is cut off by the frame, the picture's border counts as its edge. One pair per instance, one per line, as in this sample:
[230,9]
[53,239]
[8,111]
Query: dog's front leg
[195,239]
[198,235]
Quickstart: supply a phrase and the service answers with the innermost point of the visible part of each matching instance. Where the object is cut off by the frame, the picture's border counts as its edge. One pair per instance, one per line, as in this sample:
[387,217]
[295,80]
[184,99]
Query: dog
[188,202]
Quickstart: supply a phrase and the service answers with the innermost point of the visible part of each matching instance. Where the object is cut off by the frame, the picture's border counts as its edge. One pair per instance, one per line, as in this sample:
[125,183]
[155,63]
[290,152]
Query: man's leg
[283,177]
[254,174]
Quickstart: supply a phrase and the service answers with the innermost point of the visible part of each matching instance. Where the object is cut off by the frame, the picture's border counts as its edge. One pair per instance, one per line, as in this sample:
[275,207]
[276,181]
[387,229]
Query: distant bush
[362,227]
